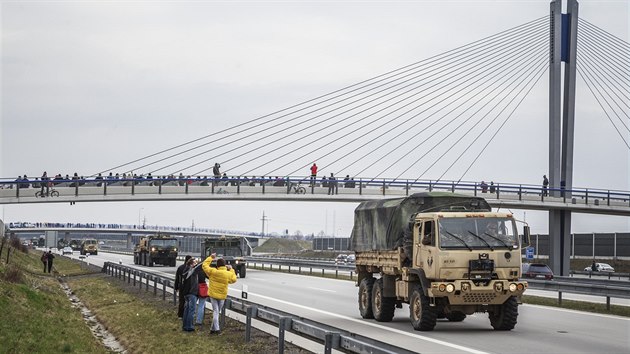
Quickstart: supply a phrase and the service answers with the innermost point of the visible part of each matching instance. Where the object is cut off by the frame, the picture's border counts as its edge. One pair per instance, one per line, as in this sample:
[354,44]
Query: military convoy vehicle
[232,249]
[90,246]
[156,249]
[446,255]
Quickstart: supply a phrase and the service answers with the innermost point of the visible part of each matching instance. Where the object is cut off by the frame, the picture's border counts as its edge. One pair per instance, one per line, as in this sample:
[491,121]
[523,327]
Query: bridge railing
[329,336]
[32,190]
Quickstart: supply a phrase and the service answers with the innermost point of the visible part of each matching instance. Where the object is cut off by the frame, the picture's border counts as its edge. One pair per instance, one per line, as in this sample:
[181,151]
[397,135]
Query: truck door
[425,247]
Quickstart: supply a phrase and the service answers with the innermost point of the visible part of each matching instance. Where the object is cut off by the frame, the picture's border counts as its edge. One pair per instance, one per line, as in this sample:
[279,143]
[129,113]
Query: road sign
[529,253]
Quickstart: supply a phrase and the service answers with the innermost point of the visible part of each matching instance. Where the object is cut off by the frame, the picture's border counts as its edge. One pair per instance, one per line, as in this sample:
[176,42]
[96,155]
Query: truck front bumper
[465,292]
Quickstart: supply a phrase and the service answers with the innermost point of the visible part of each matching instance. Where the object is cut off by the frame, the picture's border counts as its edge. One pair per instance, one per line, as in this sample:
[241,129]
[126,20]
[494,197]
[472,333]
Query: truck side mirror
[526,233]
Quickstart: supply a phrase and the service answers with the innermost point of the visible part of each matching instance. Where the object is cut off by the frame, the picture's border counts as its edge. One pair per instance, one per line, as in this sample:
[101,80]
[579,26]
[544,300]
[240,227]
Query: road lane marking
[579,312]
[320,289]
[428,339]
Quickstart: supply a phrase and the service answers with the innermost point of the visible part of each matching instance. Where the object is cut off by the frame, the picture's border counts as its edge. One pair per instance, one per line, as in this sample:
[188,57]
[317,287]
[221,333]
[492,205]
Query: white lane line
[428,339]
[578,312]
[320,289]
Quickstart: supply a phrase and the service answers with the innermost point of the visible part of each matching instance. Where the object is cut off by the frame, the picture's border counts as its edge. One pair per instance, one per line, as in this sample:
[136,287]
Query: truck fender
[423,280]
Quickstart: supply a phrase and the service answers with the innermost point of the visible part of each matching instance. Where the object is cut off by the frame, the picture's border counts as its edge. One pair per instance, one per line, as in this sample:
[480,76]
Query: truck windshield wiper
[459,239]
[481,238]
[498,239]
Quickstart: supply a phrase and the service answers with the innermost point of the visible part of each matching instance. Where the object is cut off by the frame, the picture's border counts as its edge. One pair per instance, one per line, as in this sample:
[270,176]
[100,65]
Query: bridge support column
[560,241]
[129,241]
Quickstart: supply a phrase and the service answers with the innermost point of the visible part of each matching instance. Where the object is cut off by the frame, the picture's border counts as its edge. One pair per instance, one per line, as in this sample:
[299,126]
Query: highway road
[539,329]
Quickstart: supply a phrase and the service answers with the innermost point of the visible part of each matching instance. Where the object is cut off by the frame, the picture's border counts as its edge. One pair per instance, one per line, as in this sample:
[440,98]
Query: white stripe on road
[320,289]
[436,341]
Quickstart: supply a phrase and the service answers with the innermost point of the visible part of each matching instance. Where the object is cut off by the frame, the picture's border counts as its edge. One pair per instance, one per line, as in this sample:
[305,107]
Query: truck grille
[479,298]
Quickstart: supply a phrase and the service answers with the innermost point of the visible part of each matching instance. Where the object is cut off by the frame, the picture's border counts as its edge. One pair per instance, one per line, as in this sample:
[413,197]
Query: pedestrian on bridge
[313,174]
[545,185]
[333,187]
[484,187]
[44,184]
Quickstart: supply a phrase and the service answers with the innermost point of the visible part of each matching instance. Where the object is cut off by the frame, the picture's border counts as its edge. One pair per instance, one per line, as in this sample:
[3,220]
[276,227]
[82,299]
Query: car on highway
[537,270]
[67,250]
[341,259]
[600,267]
[351,258]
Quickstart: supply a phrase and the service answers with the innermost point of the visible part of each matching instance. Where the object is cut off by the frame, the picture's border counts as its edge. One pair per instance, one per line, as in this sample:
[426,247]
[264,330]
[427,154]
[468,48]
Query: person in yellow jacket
[219,278]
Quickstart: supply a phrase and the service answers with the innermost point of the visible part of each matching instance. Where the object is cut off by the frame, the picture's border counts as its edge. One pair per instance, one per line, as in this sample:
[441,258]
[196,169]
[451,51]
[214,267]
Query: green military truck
[156,249]
[446,255]
[232,249]
[89,246]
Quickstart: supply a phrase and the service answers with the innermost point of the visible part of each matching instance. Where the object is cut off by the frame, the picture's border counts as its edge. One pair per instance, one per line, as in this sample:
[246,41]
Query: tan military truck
[156,249]
[446,255]
[232,249]
[90,246]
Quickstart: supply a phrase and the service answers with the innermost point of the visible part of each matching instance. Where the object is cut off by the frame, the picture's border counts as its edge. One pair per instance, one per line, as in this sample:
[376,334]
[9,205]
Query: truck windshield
[89,242]
[477,233]
[222,252]
[164,243]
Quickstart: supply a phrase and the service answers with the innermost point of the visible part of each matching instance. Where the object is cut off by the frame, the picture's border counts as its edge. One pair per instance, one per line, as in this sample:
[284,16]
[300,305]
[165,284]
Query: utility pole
[264,219]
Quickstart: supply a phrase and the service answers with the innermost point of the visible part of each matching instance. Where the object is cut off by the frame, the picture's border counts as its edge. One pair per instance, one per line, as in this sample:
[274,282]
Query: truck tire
[150,261]
[423,317]
[95,253]
[503,318]
[382,307]
[242,271]
[456,316]
[365,298]
[135,258]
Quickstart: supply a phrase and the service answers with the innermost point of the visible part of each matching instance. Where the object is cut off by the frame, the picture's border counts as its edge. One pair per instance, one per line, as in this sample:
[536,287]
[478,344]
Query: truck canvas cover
[383,224]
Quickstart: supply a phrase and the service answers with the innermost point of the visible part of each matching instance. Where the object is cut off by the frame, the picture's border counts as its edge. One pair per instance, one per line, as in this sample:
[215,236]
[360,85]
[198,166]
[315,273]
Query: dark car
[537,270]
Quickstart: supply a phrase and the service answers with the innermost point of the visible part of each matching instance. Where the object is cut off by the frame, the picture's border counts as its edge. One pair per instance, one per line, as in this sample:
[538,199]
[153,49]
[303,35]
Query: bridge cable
[319,97]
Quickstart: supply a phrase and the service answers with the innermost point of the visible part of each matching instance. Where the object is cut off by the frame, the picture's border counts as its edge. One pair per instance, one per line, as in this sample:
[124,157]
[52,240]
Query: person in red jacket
[313,173]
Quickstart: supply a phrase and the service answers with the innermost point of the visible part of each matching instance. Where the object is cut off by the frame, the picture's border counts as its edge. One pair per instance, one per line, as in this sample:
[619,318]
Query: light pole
[139,219]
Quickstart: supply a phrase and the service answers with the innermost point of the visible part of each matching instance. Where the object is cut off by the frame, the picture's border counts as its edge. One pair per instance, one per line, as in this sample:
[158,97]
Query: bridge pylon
[562,48]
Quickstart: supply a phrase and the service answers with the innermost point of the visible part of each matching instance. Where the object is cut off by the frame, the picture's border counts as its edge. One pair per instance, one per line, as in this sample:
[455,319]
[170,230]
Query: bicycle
[49,193]
[297,188]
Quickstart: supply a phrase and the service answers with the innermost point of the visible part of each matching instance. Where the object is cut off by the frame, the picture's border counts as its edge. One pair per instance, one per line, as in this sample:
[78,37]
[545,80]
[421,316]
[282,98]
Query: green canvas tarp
[384,224]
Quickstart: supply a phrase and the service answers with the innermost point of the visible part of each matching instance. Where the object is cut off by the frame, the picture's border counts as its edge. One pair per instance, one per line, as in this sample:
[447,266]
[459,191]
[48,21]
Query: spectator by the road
[313,174]
[594,267]
[492,187]
[219,277]
[324,182]
[346,181]
[545,185]
[44,260]
[484,187]
[201,297]
[190,288]
[50,256]
[178,282]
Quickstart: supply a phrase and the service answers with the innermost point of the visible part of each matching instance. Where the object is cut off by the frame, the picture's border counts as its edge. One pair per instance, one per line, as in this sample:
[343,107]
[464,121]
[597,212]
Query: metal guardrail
[609,275]
[331,337]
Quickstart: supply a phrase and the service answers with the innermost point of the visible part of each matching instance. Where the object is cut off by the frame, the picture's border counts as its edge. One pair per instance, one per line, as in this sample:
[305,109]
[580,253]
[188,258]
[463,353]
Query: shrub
[14,274]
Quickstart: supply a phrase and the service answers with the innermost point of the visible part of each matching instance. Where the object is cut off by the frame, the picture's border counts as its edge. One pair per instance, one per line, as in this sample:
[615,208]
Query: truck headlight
[174,249]
[442,287]
[513,287]
[152,249]
[236,262]
[450,288]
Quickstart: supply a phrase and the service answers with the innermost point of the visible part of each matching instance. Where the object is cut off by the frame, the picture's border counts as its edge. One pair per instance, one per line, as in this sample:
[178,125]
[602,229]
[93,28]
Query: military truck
[231,248]
[90,246]
[156,249]
[444,254]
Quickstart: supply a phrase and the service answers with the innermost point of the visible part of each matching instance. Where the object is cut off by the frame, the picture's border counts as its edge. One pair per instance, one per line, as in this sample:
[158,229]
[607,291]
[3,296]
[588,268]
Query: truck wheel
[382,307]
[456,316]
[95,253]
[150,261]
[504,316]
[423,317]
[365,297]
[242,272]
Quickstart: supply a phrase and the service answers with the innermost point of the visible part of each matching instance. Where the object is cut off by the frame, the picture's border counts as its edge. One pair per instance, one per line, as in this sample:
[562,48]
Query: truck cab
[231,248]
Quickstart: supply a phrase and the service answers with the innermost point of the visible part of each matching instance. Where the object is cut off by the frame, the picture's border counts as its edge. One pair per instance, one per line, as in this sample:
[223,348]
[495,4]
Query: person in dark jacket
[50,257]
[178,283]
[190,289]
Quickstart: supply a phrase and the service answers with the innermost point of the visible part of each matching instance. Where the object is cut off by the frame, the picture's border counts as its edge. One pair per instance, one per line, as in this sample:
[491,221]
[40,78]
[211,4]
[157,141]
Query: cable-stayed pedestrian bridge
[499,195]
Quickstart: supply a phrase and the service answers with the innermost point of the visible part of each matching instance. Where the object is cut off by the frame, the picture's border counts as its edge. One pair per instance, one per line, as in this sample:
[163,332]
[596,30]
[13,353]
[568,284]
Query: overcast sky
[89,85]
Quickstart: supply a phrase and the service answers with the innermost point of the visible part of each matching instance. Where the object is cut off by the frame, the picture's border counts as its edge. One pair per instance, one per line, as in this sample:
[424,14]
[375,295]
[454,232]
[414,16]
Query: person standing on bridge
[216,172]
[545,185]
[333,187]
[44,183]
[313,174]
